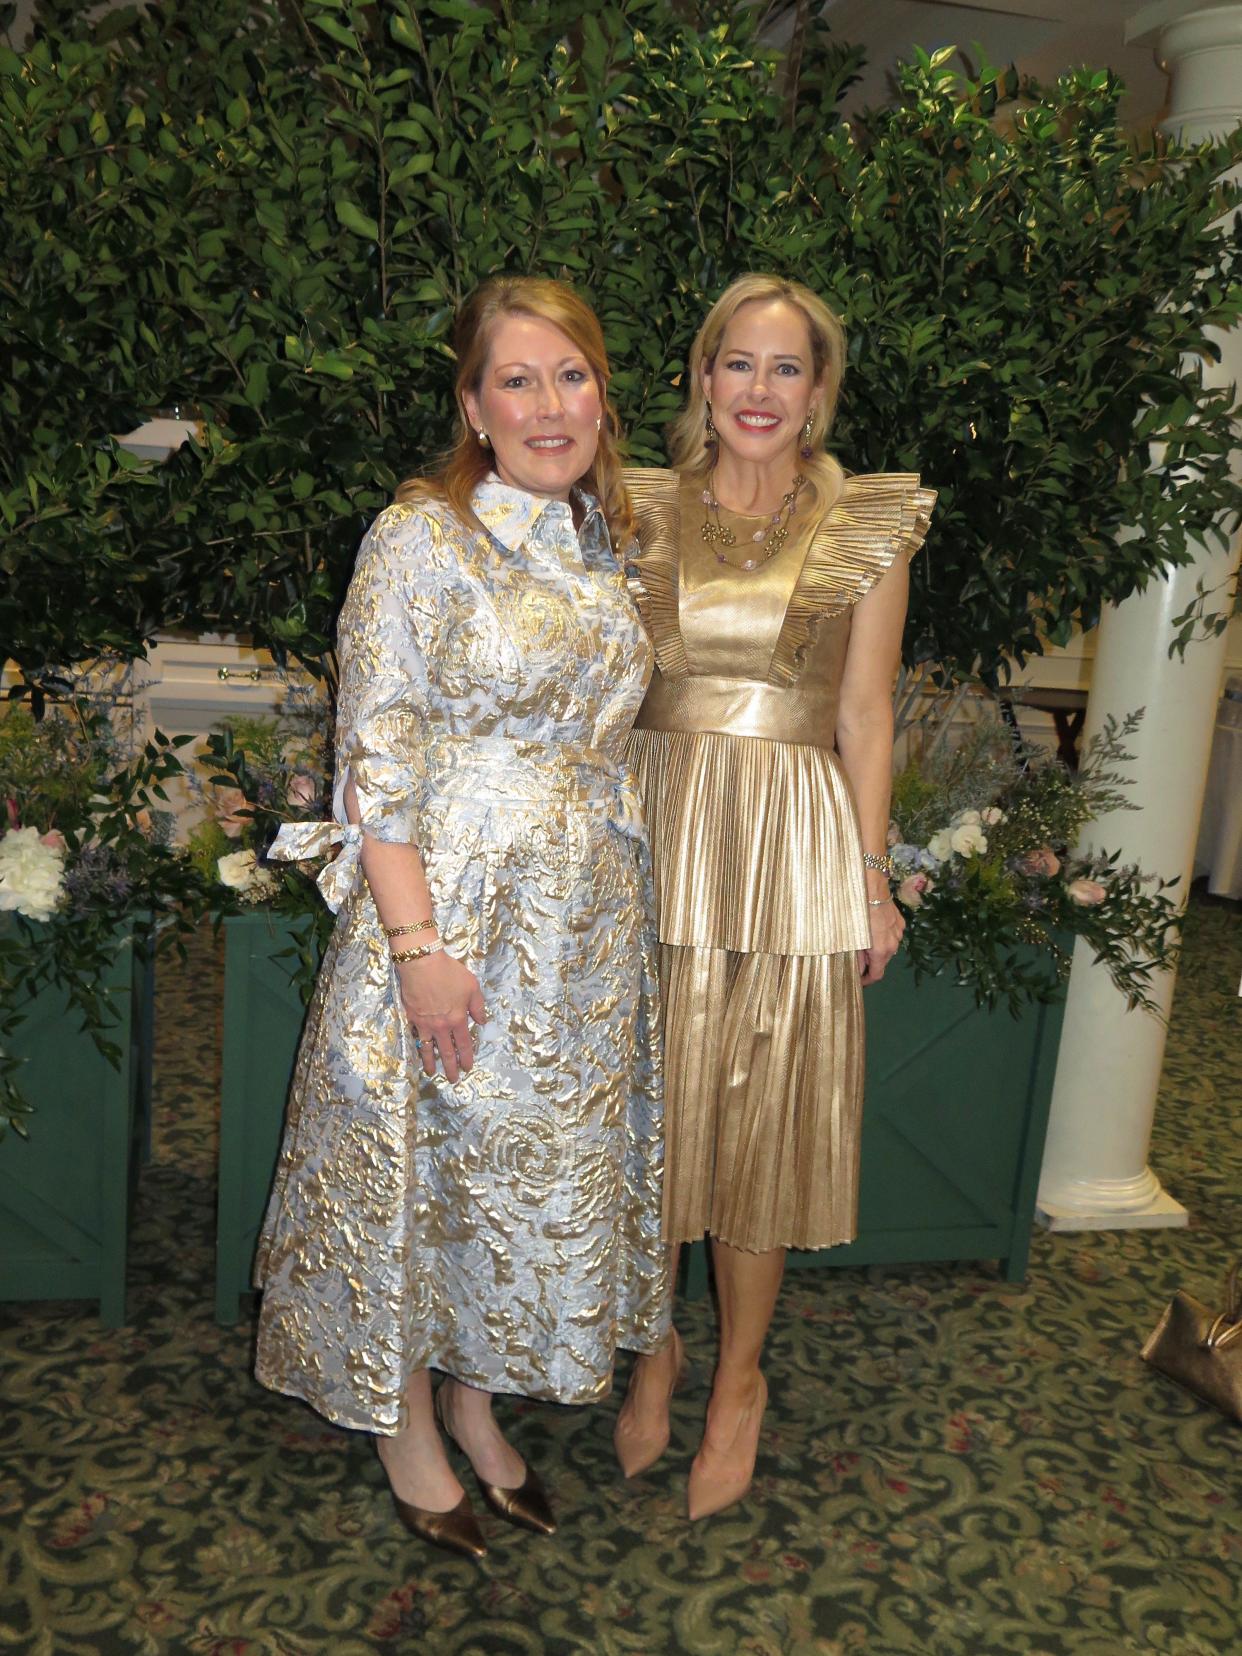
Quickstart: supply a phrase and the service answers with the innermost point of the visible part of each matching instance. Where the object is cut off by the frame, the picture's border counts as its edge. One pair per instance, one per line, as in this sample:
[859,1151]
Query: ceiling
[1041,37]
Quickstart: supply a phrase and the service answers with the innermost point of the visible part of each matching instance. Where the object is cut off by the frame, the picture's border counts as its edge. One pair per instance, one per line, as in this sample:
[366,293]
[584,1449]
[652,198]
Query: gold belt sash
[740,707]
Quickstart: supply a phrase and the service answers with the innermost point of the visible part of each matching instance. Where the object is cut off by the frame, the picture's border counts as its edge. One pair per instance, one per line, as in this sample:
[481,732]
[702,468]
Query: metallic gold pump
[638,1451]
[527,1505]
[456,1531]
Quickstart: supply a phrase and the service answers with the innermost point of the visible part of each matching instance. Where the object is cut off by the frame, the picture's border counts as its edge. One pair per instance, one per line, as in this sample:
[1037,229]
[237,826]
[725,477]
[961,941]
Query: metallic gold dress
[504,1229]
[760,889]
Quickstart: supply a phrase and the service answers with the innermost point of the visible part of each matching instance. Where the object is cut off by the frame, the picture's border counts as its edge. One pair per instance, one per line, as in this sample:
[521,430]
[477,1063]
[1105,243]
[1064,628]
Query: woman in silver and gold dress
[773,587]
[470,1175]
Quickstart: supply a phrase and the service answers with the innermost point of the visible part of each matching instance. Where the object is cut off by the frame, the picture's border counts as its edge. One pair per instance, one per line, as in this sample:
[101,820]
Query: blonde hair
[469,461]
[688,447]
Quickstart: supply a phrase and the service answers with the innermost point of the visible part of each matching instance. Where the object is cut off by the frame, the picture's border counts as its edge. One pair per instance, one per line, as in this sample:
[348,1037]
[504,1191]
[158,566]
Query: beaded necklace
[770,538]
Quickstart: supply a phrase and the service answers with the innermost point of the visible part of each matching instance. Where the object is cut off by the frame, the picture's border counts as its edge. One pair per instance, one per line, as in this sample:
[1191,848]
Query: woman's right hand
[438,994]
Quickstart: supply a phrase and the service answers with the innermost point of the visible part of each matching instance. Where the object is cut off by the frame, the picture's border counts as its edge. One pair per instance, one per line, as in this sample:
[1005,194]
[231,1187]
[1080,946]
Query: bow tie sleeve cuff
[300,841]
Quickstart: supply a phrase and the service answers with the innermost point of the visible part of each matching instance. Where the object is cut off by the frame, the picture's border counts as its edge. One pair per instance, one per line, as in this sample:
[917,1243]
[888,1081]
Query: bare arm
[865,742]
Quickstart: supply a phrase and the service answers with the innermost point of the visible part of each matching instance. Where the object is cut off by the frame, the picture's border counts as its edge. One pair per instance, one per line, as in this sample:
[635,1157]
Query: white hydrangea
[31,874]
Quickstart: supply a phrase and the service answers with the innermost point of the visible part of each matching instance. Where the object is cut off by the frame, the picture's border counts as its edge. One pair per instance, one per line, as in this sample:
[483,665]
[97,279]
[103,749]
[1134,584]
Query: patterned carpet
[952,1466]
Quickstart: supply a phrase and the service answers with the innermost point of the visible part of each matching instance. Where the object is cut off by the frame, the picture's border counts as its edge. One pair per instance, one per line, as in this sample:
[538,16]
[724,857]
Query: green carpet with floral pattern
[952,1465]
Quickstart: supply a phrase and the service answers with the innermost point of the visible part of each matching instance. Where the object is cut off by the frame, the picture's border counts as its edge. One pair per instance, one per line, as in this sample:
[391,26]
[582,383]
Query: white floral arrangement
[986,843]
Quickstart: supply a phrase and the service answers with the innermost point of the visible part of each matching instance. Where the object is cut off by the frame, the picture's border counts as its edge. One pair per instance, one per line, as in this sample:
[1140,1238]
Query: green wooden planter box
[66,1192]
[953,1130]
[954,1123]
[263,1017]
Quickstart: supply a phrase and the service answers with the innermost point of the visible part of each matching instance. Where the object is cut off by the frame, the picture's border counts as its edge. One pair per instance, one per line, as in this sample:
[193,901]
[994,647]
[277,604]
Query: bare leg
[414,1458]
[467,1416]
[747,1285]
[651,1377]
[641,1433]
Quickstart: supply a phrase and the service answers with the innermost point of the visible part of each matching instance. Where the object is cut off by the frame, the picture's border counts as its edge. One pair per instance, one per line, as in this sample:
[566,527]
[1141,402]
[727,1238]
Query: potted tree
[87,878]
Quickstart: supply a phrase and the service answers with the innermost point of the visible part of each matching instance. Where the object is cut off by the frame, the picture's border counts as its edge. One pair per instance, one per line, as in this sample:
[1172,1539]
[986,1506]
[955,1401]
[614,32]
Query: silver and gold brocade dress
[503,1229]
[760,888]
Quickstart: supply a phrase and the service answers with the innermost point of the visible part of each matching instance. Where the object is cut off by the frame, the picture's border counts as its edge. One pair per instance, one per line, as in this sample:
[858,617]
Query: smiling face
[540,405]
[762,384]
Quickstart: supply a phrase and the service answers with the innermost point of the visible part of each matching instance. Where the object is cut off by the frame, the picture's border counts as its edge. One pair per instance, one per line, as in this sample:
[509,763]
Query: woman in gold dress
[773,587]
[470,1174]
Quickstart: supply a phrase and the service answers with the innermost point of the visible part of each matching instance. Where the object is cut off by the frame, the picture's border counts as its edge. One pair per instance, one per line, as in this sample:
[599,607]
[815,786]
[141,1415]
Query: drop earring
[806,450]
[598,424]
[710,436]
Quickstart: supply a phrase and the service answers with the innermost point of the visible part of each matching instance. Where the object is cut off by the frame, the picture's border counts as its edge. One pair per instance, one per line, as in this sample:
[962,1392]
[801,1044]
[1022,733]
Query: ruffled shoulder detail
[653,563]
[875,518]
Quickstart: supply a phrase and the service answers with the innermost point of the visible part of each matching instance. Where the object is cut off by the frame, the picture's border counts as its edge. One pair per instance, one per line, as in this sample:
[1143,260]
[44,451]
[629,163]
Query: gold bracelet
[878,902]
[401,955]
[400,931]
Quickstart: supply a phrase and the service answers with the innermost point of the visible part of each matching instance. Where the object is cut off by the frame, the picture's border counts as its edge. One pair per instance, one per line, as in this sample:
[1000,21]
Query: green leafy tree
[269,211]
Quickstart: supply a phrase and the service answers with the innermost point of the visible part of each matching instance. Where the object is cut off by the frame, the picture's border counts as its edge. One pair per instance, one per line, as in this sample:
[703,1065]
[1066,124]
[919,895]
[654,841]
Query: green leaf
[336,31]
[355,220]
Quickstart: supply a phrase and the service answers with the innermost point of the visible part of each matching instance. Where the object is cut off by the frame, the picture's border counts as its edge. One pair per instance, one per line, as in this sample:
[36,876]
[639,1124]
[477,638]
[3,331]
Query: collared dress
[503,1228]
[760,888]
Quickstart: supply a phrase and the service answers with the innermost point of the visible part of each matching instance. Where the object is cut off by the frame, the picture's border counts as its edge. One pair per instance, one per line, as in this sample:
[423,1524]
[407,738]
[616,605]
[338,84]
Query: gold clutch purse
[1202,1349]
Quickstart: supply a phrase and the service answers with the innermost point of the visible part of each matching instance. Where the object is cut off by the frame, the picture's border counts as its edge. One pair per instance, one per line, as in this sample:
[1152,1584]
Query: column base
[1140,1203]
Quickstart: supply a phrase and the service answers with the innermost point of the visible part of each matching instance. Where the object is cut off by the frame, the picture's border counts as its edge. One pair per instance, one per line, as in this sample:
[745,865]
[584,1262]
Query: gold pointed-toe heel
[712,1489]
[527,1505]
[637,1451]
[456,1531]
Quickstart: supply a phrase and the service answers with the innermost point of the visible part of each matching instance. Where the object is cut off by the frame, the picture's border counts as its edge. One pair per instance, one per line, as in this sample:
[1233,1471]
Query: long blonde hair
[688,447]
[468,461]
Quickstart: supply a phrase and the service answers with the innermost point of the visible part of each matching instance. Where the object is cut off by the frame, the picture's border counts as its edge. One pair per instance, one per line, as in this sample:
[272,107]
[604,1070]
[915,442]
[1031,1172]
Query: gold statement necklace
[767,540]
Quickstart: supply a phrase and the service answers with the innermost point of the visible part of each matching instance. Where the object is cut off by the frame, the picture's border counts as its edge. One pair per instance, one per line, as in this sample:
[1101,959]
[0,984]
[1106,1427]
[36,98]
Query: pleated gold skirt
[763,1097]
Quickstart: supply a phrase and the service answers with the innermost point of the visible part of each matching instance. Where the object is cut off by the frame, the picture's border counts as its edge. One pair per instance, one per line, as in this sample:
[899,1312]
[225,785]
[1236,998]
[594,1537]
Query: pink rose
[914,888]
[54,838]
[302,791]
[1086,892]
[1044,861]
[228,803]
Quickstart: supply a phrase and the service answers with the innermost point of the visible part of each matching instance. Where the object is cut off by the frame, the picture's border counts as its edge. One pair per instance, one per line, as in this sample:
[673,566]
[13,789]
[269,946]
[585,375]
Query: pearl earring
[482,436]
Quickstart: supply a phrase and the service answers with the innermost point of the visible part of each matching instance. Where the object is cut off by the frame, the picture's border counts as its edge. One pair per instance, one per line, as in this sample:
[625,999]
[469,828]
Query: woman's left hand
[887,927]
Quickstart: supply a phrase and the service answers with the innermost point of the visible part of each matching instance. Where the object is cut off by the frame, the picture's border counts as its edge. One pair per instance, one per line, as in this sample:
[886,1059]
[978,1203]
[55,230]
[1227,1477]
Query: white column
[1095,1173]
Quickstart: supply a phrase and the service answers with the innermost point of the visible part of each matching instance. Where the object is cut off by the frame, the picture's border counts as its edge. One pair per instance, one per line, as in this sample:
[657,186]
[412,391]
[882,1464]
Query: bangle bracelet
[881,864]
[401,931]
[401,955]
[878,902]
